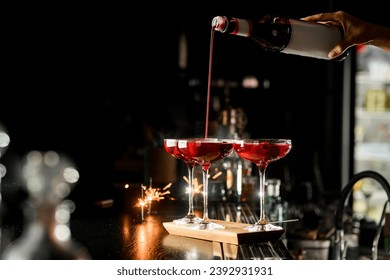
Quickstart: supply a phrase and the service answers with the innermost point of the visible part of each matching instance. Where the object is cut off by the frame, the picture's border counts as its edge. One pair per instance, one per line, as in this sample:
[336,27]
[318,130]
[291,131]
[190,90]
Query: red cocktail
[262,152]
[205,151]
[171,146]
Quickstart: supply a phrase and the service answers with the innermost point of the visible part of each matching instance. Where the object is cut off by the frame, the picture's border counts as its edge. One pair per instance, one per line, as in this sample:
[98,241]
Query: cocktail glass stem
[191,214]
[262,220]
[205,172]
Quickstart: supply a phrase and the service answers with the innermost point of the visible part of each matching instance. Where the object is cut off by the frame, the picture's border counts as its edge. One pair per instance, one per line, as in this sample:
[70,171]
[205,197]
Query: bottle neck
[235,26]
[270,32]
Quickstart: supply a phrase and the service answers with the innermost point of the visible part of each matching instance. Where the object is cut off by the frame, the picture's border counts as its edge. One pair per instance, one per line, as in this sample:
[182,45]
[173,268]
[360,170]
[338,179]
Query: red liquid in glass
[263,152]
[174,151]
[206,152]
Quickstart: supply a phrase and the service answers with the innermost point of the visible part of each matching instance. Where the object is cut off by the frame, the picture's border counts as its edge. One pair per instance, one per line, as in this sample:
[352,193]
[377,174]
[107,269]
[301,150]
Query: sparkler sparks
[150,194]
[198,187]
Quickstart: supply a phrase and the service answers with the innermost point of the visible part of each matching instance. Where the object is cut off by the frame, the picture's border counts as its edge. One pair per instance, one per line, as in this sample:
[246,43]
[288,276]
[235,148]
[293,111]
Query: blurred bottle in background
[231,125]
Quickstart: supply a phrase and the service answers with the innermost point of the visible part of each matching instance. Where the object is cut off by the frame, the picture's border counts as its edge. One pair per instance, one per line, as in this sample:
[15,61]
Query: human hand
[356,31]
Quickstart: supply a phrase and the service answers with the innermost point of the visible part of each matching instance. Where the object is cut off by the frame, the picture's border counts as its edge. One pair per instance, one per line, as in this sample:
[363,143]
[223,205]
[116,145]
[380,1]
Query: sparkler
[150,194]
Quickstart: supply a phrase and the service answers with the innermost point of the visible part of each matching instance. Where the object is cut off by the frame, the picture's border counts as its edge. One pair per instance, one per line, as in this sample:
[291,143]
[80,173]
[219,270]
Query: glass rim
[261,140]
[204,139]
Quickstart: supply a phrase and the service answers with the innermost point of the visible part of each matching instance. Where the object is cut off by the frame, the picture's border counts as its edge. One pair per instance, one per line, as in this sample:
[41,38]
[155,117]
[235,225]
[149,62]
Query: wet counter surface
[117,233]
[121,235]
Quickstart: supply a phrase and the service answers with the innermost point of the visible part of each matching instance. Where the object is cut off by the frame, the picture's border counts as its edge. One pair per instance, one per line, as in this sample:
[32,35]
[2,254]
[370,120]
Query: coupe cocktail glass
[262,152]
[204,151]
[171,146]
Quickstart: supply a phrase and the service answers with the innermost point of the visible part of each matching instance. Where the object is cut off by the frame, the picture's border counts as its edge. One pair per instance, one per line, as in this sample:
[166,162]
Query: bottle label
[312,39]
[243,28]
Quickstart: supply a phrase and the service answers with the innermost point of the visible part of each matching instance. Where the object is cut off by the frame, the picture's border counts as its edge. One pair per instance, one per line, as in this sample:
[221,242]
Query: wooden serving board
[233,233]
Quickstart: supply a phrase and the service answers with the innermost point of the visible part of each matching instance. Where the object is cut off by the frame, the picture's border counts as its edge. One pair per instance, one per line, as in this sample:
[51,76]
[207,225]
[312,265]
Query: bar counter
[120,231]
[123,235]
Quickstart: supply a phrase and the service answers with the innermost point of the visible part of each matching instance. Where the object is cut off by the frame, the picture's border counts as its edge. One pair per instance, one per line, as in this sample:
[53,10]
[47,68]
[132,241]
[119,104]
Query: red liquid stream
[209,82]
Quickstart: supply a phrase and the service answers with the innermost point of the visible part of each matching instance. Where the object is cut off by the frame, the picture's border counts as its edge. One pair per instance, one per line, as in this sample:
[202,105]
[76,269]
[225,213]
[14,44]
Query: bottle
[276,206]
[285,35]
[231,125]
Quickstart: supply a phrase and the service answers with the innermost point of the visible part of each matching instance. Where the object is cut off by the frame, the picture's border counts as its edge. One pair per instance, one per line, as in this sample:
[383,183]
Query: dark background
[100,81]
